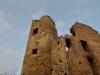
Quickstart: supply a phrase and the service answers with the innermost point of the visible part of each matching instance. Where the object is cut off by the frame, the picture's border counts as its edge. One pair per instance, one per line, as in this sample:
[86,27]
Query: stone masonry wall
[47,54]
[37,59]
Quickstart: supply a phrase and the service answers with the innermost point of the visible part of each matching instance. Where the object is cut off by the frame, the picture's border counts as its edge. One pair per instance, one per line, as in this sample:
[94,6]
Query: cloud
[9,59]
[4,25]
[7,30]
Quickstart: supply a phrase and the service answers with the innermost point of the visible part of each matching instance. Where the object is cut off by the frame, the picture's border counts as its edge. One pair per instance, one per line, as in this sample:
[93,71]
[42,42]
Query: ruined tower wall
[59,60]
[90,40]
[94,49]
[85,32]
[77,58]
[46,53]
[38,53]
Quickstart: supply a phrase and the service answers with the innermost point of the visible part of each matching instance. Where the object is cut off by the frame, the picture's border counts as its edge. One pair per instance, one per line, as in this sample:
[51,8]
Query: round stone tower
[37,60]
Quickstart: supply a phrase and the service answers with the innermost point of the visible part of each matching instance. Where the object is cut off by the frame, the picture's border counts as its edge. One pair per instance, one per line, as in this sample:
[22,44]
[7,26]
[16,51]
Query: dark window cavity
[60,60]
[90,60]
[58,42]
[51,69]
[35,31]
[79,63]
[68,43]
[83,43]
[34,51]
[37,42]
[65,73]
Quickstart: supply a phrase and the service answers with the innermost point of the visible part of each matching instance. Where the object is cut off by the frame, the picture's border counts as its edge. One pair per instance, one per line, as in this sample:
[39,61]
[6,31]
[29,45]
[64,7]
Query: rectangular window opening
[35,31]
[34,51]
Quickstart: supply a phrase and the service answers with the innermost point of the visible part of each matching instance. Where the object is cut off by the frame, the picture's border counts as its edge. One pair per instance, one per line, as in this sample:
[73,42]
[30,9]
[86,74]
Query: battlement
[46,53]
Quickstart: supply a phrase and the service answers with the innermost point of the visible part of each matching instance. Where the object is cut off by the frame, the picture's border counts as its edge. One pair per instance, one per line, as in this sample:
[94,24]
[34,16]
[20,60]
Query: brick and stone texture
[50,54]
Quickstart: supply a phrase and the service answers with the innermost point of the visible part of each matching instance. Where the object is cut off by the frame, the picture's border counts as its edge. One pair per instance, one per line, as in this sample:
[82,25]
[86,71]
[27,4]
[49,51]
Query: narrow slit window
[58,42]
[35,31]
[68,43]
[83,43]
[34,51]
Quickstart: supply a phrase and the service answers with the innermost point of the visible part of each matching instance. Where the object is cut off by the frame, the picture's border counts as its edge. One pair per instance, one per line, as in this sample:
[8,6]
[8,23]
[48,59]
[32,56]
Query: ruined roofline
[77,24]
[44,18]
[72,31]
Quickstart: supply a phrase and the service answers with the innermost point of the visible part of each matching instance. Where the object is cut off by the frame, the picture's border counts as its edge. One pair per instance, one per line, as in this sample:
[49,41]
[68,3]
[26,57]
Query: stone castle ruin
[46,52]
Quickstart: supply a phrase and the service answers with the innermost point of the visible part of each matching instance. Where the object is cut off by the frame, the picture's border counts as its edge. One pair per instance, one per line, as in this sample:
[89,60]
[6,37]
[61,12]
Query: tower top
[46,18]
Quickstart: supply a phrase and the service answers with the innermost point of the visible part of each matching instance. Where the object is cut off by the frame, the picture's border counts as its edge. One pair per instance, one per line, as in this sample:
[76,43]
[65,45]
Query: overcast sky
[16,17]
